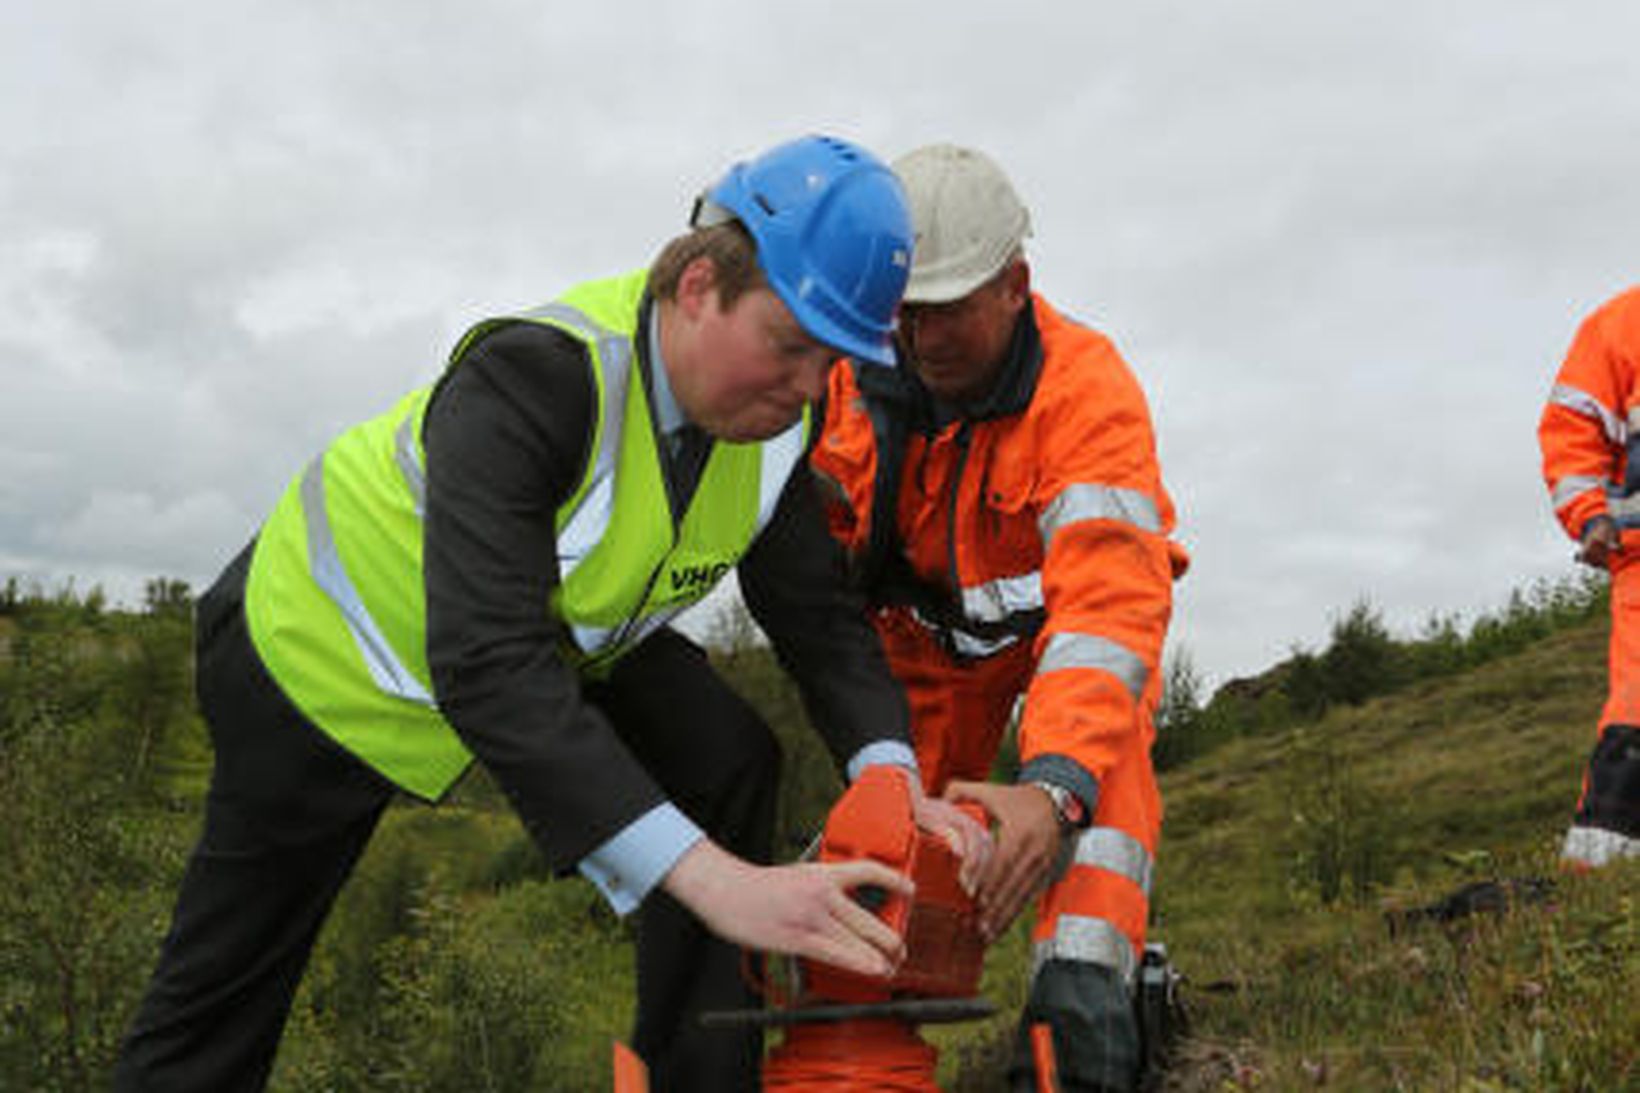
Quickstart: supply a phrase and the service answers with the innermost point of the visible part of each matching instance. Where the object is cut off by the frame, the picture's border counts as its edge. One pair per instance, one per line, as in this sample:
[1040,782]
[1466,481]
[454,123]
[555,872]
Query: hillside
[1286,848]
[1282,854]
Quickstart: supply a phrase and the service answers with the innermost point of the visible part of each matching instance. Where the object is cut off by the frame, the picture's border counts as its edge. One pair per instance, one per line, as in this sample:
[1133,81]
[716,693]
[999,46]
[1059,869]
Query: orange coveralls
[1030,559]
[1589,434]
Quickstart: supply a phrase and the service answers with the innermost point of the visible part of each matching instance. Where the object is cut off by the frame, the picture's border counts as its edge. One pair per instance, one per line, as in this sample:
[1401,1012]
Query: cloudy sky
[1344,245]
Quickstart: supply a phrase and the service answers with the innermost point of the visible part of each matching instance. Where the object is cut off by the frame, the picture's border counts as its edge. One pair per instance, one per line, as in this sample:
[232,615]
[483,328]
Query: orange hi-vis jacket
[1029,556]
[1591,424]
[1590,433]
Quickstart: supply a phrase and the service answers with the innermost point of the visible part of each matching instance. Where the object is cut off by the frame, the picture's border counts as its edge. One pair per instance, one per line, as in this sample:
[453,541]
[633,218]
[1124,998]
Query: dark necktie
[687,447]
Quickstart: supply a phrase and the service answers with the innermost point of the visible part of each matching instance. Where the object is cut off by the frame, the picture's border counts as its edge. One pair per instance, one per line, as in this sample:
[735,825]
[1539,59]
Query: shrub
[1338,838]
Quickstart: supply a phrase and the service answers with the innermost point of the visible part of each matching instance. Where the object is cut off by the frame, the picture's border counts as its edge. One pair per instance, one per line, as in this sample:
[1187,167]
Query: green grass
[1467,778]
[453,961]
[1295,984]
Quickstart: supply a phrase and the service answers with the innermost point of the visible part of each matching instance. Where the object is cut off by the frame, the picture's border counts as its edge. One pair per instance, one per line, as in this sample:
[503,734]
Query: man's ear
[697,287]
[1017,281]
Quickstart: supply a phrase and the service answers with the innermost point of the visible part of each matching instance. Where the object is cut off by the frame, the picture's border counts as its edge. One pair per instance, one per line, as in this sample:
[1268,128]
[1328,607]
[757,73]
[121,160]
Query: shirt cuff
[635,859]
[890,752]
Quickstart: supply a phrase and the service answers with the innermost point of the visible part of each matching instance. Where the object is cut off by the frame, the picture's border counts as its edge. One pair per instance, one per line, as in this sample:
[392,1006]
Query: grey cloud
[1344,246]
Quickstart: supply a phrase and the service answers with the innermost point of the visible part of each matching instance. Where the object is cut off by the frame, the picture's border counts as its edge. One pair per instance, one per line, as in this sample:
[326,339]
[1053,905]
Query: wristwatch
[1067,806]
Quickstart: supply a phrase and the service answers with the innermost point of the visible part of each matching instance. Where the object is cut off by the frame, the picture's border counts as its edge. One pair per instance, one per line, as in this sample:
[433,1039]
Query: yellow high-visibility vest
[335,602]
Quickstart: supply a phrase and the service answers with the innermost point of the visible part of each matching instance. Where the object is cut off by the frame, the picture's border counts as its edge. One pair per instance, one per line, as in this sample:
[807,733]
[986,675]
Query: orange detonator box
[944,951]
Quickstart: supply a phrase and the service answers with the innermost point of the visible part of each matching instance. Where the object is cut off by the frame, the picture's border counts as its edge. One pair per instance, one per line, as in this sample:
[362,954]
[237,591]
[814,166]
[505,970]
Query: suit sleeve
[794,585]
[505,437]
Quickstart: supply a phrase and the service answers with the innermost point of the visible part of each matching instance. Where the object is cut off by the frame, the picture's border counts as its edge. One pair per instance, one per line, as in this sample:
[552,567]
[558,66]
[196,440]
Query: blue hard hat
[833,235]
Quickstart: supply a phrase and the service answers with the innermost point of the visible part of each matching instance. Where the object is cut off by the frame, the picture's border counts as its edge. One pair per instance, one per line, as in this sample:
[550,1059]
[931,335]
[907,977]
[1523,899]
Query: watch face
[1067,806]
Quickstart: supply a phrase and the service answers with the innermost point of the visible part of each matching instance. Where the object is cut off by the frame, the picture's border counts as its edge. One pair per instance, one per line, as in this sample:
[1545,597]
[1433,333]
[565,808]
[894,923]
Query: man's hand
[802,909]
[1027,847]
[967,837]
[1601,539]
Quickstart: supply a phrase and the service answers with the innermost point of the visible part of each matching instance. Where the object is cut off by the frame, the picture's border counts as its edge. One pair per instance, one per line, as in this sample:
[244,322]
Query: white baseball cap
[967,218]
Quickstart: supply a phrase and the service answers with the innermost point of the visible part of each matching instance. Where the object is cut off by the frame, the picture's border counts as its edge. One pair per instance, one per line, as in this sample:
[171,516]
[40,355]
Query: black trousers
[289,812]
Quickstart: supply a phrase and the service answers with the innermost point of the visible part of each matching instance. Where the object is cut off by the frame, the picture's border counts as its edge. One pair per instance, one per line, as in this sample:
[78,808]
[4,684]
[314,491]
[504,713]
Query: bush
[1337,842]
[1184,727]
[87,872]
[1363,661]
[522,990]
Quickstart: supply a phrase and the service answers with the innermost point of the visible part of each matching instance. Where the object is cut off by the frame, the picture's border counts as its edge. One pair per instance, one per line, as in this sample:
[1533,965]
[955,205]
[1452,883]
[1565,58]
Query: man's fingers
[968,838]
[852,874]
[1003,901]
[850,953]
[1008,872]
[967,791]
[976,859]
[1007,909]
[972,843]
[858,920]
[854,938]
[867,930]
[1017,871]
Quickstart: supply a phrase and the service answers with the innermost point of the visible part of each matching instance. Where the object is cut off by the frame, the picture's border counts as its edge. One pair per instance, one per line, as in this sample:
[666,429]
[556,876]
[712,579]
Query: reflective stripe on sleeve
[1072,650]
[1090,501]
[1089,940]
[325,563]
[1625,510]
[1586,405]
[1572,486]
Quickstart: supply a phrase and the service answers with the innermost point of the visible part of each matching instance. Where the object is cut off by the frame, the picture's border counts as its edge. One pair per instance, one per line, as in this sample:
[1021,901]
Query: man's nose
[922,327]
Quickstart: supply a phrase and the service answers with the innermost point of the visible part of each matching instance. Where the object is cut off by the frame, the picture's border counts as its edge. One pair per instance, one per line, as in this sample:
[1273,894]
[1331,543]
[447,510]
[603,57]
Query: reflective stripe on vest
[779,456]
[997,600]
[330,575]
[616,590]
[407,454]
[591,507]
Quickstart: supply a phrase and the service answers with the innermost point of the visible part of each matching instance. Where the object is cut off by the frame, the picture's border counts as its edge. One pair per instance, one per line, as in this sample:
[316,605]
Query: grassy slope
[1466,778]
[1451,781]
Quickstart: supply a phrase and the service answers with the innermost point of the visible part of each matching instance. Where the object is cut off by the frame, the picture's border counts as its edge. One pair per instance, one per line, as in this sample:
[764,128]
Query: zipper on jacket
[952,575]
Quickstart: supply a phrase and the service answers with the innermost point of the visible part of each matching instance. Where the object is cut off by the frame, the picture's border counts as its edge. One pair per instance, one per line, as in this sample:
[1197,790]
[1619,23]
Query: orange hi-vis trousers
[1097,910]
[1607,822]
